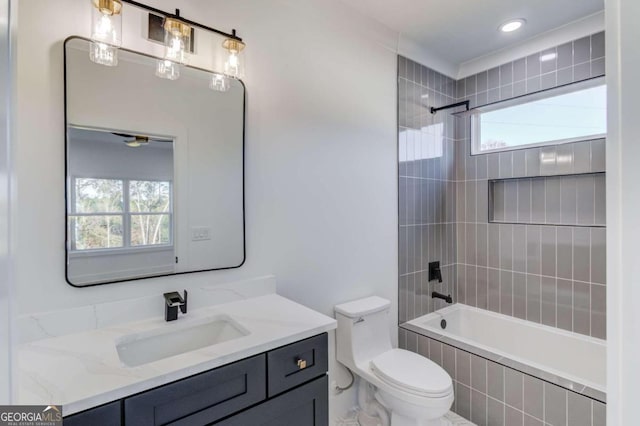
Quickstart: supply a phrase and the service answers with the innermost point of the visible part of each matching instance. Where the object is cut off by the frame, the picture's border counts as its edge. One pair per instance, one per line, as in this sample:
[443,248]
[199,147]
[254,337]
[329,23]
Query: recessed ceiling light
[512,25]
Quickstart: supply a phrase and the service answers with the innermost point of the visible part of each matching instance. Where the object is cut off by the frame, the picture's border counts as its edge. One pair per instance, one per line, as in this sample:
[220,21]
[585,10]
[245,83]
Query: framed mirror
[154,170]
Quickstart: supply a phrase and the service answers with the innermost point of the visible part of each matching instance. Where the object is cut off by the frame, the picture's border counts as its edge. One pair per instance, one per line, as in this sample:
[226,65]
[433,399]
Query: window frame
[475,130]
[126,215]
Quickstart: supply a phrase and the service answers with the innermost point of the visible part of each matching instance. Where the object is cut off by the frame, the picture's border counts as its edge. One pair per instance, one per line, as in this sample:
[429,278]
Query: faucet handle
[174,299]
[183,306]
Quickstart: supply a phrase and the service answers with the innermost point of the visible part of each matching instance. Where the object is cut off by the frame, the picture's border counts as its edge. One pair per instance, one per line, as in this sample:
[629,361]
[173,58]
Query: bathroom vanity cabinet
[284,386]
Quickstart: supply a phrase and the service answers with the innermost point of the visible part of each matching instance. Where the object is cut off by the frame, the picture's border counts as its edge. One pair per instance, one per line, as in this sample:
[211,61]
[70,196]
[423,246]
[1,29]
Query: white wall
[6,283]
[320,154]
[623,205]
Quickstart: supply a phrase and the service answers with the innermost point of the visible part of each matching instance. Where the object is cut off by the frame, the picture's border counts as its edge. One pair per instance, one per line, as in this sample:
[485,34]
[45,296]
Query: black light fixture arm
[457,104]
[186,21]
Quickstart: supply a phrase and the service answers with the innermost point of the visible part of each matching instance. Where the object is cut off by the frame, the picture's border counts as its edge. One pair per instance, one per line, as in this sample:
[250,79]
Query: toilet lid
[412,372]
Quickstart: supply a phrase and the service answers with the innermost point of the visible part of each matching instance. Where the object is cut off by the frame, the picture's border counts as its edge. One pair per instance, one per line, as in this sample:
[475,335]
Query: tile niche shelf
[562,200]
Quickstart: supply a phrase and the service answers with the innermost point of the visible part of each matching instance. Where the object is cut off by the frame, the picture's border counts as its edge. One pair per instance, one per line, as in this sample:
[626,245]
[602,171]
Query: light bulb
[103,54]
[177,40]
[167,69]
[234,65]
[106,30]
[219,82]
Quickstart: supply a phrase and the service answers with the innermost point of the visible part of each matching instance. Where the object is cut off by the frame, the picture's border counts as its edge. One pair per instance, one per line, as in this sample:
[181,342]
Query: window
[566,114]
[119,213]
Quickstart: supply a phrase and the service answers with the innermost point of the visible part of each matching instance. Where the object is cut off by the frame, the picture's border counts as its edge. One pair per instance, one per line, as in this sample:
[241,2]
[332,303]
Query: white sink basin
[177,338]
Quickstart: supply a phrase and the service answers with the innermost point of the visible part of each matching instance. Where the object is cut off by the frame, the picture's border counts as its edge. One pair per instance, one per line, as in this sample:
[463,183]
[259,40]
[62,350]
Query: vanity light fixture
[106,31]
[512,25]
[234,65]
[219,82]
[548,57]
[106,39]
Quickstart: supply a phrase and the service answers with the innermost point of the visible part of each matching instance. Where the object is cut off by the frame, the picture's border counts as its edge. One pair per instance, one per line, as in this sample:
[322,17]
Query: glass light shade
[106,22]
[219,82]
[167,69]
[234,64]
[103,54]
[177,40]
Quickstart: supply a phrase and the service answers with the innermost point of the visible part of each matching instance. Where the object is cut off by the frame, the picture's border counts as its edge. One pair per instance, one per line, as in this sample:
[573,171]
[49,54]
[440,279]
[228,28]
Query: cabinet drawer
[105,415]
[297,363]
[305,406]
[200,399]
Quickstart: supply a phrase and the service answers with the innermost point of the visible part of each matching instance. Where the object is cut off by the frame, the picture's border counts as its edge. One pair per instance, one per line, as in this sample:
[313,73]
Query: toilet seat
[412,373]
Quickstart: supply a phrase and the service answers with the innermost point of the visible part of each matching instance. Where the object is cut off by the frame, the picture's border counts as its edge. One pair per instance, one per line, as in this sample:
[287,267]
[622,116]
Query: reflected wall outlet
[200,234]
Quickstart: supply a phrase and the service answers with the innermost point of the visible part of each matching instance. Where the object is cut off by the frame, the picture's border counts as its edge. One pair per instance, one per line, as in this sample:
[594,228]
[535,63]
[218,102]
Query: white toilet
[415,390]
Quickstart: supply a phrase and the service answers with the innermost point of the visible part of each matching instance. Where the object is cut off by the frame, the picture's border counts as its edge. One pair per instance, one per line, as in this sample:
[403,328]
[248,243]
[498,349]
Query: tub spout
[446,298]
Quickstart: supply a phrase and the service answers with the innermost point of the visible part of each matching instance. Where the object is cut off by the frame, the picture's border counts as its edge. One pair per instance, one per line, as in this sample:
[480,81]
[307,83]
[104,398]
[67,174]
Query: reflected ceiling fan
[135,141]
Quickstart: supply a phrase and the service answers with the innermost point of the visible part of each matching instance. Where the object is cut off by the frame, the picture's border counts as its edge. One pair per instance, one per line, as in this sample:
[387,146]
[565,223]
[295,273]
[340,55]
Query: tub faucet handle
[434,271]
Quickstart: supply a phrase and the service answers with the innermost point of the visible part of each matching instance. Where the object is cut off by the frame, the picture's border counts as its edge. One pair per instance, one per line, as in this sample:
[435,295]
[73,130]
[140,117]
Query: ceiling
[461,30]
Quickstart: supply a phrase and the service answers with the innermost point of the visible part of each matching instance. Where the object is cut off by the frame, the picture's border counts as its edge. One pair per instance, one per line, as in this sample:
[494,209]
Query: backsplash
[545,260]
[58,323]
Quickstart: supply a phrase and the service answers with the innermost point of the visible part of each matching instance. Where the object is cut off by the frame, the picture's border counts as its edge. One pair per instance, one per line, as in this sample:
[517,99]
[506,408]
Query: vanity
[287,385]
[264,360]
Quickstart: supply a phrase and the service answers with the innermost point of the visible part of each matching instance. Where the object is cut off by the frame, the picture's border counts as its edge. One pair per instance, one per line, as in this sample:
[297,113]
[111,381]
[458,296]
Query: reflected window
[120,213]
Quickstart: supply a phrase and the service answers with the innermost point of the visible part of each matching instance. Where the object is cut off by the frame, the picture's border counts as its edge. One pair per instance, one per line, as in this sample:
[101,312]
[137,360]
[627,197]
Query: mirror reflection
[154,171]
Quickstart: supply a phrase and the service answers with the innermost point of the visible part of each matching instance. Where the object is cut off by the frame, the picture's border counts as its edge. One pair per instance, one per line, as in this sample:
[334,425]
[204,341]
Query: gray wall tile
[495,380]
[565,55]
[564,252]
[463,367]
[581,254]
[513,417]
[598,311]
[533,397]
[578,410]
[532,421]
[581,308]
[479,374]
[478,408]
[555,410]
[495,412]
[533,250]
[513,388]
[463,400]
[534,298]
[548,289]
[520,295]
[599,414]
[564,309]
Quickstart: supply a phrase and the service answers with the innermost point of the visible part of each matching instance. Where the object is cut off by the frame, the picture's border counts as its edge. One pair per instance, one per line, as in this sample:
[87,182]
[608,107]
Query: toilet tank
[363,331]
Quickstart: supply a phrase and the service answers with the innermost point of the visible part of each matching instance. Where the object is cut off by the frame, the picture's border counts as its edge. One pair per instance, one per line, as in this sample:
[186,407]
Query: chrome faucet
[173,301]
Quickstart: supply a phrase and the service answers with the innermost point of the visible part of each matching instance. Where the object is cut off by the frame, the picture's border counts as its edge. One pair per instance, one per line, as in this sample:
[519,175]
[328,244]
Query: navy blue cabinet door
[105,415]
[304,406]
[200,399]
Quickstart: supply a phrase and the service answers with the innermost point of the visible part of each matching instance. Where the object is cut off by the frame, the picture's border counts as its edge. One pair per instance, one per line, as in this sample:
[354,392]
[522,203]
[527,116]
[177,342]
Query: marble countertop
[83,370]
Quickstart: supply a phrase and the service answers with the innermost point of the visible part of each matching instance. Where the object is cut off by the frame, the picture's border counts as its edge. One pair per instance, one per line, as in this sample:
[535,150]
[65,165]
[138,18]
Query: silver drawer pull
[302,364]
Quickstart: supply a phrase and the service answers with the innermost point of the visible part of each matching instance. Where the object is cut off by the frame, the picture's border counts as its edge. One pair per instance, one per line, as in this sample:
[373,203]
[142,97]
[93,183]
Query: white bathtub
[571,357]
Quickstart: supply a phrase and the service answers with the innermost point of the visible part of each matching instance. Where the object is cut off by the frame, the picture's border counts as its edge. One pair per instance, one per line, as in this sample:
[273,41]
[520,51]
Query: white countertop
[82,370]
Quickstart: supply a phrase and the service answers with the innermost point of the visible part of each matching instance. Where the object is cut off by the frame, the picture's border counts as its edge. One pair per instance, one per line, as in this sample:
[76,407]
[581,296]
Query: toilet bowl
[415,390]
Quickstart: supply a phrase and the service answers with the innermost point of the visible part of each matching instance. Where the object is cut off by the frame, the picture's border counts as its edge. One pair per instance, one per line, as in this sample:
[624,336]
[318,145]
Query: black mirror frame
[66,186]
